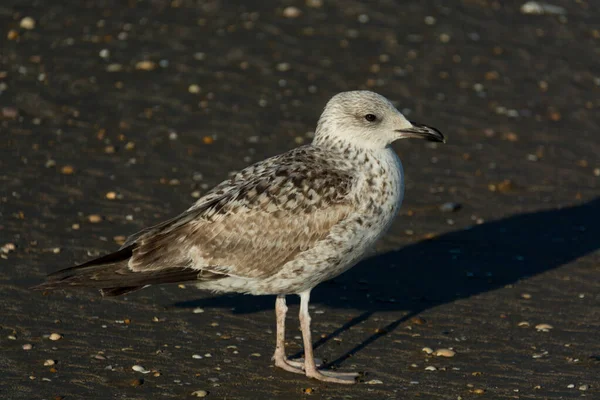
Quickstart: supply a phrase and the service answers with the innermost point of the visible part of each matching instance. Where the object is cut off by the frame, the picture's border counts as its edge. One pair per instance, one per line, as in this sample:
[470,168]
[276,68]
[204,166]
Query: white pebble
[198,311]
[374,382]
[539,8]
[444,353]
[283,67]
[27,346]
[49,363]
[543,327]
[292,12]
[55,336]
[200,393]
[27,23]
[139,368]
[430,368]
[197,356]
[427,350]
[429,20]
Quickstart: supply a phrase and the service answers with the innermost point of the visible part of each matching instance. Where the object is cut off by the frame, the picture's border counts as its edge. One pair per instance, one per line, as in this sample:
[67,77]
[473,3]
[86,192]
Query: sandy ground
[115,115]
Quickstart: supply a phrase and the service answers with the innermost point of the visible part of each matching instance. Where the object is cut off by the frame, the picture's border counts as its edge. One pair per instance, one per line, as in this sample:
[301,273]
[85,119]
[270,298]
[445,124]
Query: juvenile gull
[280,226]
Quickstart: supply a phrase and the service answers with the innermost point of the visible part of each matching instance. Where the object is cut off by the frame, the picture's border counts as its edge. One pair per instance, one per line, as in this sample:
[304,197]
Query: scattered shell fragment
[282,67]
[543,327]
[523,324]
[27,23]
[292,12]
[430,368]
[55,336]
[374,382]
[49,363]
[200,393]
[450,207]
[445,353]
[139,368]
[111,195]
[145,65]
[427,350]
[27,346]
[198,311]
[540,8]
[94,218]
[67,170]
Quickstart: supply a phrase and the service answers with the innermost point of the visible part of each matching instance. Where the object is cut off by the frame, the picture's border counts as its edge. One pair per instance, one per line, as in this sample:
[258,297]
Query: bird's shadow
[449,267]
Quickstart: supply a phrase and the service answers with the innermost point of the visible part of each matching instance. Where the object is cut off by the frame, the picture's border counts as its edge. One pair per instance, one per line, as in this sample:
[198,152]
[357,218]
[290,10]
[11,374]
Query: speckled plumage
[280,226]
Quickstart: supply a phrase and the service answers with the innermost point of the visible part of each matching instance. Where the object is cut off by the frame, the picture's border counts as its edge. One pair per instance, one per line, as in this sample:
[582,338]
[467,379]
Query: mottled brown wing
[251,225]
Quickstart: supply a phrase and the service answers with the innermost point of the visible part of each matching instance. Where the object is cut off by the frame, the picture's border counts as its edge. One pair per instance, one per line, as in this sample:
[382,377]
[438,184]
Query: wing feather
[252,224]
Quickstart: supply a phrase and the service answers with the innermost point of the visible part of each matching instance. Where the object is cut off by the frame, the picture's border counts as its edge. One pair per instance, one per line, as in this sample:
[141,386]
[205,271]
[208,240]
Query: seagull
[278,227]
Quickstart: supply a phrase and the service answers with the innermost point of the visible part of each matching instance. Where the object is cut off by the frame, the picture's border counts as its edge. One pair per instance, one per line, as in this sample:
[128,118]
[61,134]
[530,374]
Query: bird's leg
[280,358]
[310,366]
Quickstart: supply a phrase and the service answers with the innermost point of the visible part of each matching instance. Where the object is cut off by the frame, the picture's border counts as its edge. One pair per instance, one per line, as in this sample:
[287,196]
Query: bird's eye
[370,117]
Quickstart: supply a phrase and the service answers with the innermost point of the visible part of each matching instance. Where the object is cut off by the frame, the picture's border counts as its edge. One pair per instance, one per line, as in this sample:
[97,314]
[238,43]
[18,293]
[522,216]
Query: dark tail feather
[117,291]
[112,275]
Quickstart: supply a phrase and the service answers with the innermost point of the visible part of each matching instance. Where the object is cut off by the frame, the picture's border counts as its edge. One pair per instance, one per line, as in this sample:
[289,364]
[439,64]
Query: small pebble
[570,386]
[197,356]
[111,195]
[114,67]
[444,353]
[139,368]
[27,346]
[94,218]
[427,350]
[27,23]
[145,65]
[55,336]
[430,368]
[292,12]
[198,311]
[584,387]
[49,363]
[523,324]
[283,67]
[374,382]
[450,207]
[543,327]
[200,393]
[194,89]
[67,170]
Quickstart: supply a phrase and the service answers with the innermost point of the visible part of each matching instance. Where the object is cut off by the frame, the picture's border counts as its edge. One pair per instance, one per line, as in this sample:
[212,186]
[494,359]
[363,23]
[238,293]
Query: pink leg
[280,358]
[309,360]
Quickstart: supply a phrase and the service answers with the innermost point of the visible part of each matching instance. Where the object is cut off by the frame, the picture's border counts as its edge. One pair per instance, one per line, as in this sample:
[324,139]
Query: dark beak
[422,132]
